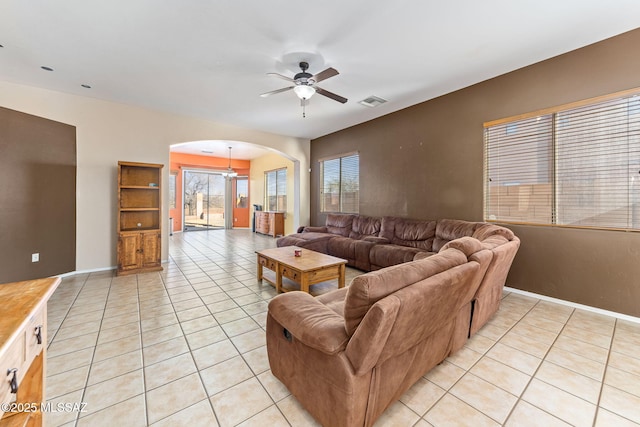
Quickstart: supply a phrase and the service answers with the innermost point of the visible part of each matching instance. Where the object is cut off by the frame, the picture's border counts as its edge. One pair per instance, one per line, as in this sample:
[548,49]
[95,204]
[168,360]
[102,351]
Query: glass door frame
[184,172]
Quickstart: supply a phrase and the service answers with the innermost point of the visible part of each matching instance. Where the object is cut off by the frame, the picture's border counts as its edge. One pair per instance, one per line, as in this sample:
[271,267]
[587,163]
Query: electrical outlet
[35,257]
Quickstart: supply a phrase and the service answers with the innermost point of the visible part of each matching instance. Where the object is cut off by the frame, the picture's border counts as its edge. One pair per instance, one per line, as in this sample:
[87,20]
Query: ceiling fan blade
[273,92]
[323,75]
[331,95]
[289,79]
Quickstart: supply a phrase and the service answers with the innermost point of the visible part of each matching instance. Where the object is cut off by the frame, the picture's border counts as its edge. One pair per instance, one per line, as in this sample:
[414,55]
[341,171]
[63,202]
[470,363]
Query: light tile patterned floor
[186,347]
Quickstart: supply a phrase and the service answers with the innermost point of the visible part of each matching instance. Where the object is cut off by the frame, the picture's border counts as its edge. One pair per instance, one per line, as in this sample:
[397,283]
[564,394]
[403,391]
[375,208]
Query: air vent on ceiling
[372,101]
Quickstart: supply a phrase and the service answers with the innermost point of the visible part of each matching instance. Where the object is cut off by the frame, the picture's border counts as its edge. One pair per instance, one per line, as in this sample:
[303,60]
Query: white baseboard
[92,270]
[575,305]
[95,270]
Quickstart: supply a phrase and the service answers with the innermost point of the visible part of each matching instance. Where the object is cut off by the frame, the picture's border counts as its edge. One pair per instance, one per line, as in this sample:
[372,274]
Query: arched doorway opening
[203,195]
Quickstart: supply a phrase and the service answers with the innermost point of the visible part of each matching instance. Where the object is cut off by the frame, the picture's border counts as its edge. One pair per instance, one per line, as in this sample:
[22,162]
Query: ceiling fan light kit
[304,91]
[305,85]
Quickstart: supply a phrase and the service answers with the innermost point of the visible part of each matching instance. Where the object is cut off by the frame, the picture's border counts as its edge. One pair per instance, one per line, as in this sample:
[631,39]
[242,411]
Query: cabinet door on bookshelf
[128,245]
[150,245]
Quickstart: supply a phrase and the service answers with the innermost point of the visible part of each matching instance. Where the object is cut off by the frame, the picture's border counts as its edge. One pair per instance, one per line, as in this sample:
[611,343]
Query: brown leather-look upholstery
[449,229]
[349,354]
[339,224]
[365,226]
[371,243]
[504,245]
[406,238]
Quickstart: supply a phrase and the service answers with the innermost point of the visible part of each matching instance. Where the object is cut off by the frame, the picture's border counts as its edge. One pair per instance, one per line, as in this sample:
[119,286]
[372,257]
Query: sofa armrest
[308,229]
[374,239]
[422,255]
[309,321]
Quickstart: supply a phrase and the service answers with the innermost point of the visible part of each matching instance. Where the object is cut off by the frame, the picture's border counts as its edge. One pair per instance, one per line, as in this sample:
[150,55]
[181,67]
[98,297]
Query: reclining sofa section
[350,353]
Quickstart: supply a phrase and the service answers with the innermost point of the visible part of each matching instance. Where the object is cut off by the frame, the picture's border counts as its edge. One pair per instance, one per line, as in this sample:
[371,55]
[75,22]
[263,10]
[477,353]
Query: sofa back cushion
[427,309]
[484,231]
[466,245]
[364,226]
[451,229]
[339,224]
[365,290]
[408,232]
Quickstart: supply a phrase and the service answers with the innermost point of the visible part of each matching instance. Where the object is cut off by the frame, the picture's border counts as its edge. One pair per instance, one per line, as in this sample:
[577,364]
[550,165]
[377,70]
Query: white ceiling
[209,58]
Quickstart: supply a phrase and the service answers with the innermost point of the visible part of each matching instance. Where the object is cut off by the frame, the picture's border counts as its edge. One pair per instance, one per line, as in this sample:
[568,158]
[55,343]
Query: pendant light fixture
[230,173]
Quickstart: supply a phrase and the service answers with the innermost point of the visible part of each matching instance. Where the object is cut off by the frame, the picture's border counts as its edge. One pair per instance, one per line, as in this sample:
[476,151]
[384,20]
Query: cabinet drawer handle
[13,382]
[38,332]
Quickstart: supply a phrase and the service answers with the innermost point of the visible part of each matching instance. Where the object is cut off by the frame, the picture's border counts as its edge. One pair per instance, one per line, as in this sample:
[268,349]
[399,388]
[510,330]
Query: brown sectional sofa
[349,354]
[371,243]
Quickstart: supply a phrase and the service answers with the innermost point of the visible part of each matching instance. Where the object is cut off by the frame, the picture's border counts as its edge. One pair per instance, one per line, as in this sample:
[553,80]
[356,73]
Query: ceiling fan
[305,84]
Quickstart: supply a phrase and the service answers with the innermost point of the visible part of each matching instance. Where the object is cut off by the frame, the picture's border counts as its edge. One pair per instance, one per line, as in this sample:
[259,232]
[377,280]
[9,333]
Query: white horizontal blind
[350,184]
[575,167]
[519,173]
[276,190]
[281,189]
[340,190]
[598,164]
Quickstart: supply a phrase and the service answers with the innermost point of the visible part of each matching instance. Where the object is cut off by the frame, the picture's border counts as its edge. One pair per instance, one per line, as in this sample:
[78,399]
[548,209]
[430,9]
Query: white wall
[108,132]
[256,182]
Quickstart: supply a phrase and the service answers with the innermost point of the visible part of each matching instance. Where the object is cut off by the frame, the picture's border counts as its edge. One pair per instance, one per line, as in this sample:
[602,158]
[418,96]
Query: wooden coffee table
[309,268]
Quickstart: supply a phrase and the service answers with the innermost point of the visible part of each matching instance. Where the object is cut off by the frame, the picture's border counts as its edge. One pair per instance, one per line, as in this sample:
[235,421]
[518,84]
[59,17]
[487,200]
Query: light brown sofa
[348,354]
[371,243]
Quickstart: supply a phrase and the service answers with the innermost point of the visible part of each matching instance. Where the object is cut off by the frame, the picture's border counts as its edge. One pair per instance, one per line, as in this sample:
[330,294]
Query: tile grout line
[533,375]
[77,416]
[95,348]
[241,355]
[164,282]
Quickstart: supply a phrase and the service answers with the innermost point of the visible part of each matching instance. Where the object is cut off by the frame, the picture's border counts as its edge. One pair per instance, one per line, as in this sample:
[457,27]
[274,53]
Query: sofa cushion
[334,300]
[313,241]
[408,232]
[364,226]
[339,224]
[486,230]
[367,289]
[466,245]
[387,255]
[451,229]
[494,241]
[342,247]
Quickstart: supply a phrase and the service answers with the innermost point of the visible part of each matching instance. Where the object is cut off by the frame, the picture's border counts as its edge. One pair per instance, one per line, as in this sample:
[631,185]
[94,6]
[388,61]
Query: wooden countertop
[17,301]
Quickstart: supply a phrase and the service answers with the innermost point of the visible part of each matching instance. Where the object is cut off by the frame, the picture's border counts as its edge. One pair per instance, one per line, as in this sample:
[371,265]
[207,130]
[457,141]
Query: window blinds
[574,167]
[341,184]
[276,190]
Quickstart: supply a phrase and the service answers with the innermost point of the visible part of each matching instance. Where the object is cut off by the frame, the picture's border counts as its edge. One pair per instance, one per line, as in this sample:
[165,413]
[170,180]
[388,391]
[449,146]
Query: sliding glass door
[204,196]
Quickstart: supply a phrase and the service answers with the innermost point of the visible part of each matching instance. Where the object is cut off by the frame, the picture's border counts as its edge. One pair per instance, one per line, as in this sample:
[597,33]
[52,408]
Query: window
[340,181]
[242,192]
[575,166]
[276,190]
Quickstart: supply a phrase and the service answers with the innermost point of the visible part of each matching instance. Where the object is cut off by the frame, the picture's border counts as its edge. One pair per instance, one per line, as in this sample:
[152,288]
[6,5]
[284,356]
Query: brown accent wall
[426,161]
[37,196]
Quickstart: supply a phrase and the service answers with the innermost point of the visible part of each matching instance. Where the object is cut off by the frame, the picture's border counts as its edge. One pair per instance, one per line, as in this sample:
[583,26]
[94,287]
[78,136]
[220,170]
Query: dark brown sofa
[349,354]
[371,243]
